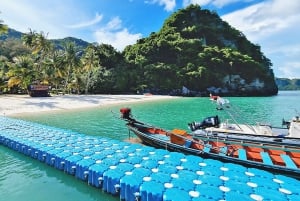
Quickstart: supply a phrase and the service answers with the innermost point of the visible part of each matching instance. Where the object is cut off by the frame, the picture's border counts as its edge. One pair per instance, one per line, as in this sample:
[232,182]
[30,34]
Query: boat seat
[266,158]
[288,161]
[276,152]
[277,160]
[297,161]
[254,156]
[294,154]
[242,154]
[254,149]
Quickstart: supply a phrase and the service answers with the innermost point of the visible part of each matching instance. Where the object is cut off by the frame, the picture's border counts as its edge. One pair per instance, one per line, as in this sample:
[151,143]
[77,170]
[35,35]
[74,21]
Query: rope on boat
[233,111]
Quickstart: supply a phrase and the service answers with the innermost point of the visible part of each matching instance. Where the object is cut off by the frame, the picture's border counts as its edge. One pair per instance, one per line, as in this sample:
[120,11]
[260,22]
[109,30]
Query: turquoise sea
[23,178]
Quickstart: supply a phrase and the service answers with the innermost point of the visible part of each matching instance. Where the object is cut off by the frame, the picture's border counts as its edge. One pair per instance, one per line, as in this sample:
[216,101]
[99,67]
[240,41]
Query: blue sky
[272,24]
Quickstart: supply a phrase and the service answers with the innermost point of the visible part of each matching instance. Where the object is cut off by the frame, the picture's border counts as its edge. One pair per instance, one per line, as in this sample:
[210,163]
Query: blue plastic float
[137,172]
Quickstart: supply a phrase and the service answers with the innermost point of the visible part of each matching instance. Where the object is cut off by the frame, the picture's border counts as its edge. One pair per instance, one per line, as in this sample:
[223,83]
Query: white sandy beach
[18,104]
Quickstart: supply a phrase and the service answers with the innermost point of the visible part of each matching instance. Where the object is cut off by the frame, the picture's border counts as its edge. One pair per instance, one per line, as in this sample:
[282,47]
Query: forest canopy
[194,49]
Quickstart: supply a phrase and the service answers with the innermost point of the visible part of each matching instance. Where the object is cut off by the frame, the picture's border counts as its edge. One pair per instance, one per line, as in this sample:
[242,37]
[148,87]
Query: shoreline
[16,105]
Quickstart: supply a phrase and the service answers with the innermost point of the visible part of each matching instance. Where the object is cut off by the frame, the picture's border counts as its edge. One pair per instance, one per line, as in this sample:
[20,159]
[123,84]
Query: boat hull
[149,139]
[235,137]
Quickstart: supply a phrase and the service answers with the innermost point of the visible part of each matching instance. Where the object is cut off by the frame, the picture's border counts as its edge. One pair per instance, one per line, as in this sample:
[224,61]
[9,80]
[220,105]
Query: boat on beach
[38,90]
[275,157]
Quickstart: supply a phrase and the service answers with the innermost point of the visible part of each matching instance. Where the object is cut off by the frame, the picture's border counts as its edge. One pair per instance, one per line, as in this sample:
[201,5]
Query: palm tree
[21,72]
[54,68]
[3,70]
[38,42]
[71,62]
[77,80]
[28,39]
[90,63]
[41,47]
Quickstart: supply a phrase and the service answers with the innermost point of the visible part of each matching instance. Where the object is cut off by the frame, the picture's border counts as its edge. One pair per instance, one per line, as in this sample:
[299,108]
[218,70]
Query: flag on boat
[220,101]
[213,98]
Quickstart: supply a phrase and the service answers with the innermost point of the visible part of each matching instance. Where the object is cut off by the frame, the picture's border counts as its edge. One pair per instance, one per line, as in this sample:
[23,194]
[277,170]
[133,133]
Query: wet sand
[19,104]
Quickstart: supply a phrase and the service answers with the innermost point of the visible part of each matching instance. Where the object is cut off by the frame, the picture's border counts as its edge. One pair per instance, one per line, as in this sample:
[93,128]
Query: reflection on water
[23,178]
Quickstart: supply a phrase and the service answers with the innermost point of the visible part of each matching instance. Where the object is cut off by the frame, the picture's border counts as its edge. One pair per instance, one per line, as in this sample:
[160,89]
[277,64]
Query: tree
[109,76]
[54,68]
[38,42]
[41,47]
[71,63]
[21,73]
[90,61]
[3,70]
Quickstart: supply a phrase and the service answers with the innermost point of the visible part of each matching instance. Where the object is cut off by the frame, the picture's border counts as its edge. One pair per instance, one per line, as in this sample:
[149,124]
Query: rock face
[238,86]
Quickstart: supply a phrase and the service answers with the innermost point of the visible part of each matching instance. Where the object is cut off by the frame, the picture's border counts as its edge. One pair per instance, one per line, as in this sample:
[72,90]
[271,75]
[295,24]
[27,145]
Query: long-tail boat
[275,157]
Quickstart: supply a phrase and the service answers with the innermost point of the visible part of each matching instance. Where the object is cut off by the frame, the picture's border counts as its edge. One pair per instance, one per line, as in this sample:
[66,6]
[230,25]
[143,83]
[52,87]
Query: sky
[271,24]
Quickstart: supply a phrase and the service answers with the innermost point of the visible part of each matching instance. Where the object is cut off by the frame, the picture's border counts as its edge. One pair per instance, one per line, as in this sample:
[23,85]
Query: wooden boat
[281,158]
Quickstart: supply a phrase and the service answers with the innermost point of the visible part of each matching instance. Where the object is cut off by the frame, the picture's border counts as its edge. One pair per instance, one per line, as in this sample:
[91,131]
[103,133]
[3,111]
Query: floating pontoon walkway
[136,172]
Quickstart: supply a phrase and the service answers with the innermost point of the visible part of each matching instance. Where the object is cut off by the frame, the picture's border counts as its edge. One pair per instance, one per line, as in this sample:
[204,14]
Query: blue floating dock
[137,172]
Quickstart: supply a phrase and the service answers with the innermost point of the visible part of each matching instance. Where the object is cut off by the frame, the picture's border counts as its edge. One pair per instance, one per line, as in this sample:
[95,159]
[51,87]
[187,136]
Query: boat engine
[212,121]
[125,113]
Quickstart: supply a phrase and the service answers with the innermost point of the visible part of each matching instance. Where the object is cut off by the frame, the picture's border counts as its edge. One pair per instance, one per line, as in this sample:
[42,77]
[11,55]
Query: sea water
[23,178]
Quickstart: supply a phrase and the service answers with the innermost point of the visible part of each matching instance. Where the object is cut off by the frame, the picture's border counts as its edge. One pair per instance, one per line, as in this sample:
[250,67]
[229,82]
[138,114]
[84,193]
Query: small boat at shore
[280,158]
[213,125]
[232,128]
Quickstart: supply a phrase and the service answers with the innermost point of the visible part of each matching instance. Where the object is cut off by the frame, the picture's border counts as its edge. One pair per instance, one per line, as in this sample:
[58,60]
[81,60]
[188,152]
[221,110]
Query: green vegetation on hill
[194,49]
[11,34]
[288,84]
[198,50]
[58,43]
[80,44]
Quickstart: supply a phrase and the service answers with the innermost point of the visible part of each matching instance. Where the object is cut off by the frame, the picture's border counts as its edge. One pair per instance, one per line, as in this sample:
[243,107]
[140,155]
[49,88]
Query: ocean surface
[23,178]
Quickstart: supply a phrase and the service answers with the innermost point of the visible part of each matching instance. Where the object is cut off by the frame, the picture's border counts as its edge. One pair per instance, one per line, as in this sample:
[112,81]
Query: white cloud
[216,3]
[289,69]
[24,15]
[222,3]
[116,35]
[114,24]
[199,2]
[94,21]
[51,17]
[274,25]
[263,19]
[169,5]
